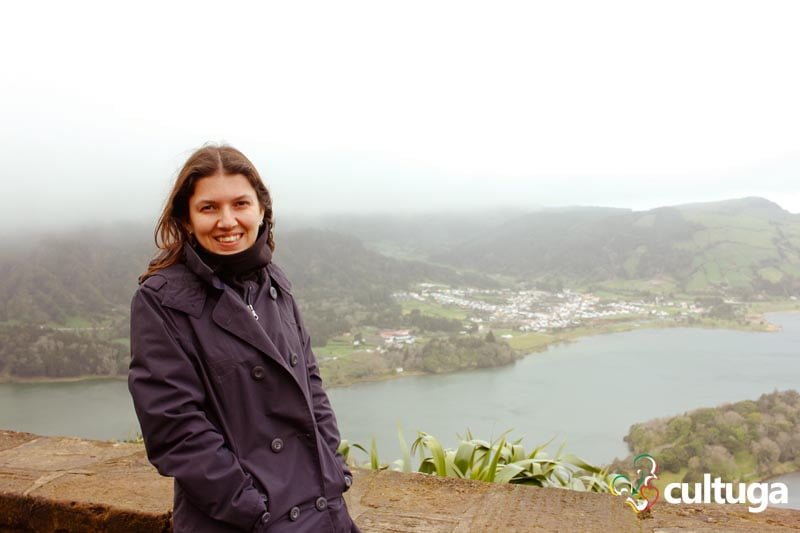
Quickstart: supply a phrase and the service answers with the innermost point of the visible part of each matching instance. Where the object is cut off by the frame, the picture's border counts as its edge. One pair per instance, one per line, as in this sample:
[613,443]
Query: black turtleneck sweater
[237,269]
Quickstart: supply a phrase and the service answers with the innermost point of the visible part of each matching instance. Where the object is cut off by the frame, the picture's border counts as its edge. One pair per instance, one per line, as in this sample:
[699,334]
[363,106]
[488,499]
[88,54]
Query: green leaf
[492,470]
[508,472]
[464,457]
[374,462]
[406,459]
[437,454]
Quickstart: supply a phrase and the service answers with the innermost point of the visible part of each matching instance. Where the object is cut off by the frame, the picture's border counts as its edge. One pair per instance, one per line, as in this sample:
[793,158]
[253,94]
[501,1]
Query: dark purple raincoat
[232,406]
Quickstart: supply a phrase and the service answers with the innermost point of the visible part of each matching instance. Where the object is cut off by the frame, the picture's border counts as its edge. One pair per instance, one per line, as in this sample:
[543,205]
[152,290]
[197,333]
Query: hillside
[739,247]
[67,275]
[743,247]
[64,301]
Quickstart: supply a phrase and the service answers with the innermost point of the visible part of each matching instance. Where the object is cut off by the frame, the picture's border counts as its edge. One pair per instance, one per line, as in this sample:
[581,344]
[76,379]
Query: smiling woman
[225,385]
[213,180]
[224,214]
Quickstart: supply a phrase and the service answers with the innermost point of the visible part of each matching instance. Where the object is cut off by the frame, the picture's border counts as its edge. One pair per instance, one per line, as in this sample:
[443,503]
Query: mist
[520,106]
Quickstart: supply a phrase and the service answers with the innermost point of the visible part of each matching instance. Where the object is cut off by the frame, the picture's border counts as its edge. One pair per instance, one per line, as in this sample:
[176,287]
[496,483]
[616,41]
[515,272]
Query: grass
[771,274]
[624,289]
[337,347]
[397,251]
[74,321]
[775,306]
[433,309]
[124,341]
[526,342]
[616,326]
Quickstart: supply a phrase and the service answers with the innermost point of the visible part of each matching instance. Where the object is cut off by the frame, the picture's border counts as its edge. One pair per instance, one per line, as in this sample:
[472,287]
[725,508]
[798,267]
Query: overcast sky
[385,106]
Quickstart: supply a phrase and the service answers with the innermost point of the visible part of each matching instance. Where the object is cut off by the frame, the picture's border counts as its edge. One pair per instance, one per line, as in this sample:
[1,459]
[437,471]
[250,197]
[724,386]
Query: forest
[64,304]
[742,441]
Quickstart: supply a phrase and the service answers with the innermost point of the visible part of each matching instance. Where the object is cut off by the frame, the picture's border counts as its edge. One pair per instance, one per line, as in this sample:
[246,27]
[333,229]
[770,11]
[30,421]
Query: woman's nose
[226,218]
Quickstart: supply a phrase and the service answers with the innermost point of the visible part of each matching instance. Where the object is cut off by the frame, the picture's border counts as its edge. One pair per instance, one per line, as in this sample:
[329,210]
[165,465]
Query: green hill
[65,276]
[64,300]
[743,441]
[740,247]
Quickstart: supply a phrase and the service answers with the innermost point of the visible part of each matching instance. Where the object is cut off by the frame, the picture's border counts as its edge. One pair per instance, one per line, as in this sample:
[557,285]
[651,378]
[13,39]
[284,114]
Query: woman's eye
[243,203]
[206,208]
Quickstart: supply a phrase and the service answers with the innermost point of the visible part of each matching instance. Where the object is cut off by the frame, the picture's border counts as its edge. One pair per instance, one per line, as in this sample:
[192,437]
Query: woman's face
[224,213]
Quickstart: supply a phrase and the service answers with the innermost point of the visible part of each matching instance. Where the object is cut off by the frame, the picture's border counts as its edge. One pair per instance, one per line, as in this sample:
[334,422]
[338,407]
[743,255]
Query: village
[534,310]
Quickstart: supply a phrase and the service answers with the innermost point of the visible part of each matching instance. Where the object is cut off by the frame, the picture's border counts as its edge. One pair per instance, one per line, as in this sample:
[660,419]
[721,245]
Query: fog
[378,107]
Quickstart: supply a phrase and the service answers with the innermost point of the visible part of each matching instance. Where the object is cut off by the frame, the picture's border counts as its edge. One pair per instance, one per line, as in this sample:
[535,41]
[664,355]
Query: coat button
[273,293]
[294,513]
[265,517]
[348,481]
[293,359]
[277,445]
[321,504]
[257,373]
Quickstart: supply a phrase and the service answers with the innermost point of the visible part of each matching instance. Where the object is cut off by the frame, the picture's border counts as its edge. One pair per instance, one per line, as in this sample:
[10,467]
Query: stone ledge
[34,514]
[73,485]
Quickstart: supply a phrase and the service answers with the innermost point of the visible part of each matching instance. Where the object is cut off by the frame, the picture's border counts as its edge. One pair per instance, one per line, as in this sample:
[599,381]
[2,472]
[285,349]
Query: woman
[224,382]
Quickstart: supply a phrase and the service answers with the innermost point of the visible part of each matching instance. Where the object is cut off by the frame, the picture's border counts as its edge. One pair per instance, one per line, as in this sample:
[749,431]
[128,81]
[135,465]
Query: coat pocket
[220,367]
[220,361]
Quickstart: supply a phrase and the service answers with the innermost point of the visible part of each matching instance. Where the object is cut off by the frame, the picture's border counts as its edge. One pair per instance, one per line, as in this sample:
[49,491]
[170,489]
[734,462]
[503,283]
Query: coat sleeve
[323,412]
[181,442]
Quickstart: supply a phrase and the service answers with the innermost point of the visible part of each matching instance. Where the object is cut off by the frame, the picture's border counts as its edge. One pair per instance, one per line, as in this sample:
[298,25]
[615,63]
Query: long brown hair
[171,232]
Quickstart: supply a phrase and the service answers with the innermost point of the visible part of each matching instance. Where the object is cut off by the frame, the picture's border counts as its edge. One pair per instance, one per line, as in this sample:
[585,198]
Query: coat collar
[186,291]
[196,265]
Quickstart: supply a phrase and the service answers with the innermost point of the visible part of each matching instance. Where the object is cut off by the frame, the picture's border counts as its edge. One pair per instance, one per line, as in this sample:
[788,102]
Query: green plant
[135,438]
[498,461]
[374,462]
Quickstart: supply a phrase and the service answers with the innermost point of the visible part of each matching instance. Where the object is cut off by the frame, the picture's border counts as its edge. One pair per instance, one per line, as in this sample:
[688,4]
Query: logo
[642,495]
[758,495]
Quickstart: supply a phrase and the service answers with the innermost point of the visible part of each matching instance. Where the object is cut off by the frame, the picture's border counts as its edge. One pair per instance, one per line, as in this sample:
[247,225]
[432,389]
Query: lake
[585,394]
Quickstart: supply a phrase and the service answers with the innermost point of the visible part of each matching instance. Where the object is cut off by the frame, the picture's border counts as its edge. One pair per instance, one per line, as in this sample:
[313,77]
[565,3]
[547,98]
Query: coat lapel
[231,315]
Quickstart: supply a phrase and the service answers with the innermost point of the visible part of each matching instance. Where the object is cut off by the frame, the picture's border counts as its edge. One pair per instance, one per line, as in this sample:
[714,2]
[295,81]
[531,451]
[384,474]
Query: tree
[766,452]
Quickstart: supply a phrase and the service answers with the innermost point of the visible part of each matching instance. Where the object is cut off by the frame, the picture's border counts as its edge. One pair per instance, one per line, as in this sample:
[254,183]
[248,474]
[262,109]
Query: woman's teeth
[229,238]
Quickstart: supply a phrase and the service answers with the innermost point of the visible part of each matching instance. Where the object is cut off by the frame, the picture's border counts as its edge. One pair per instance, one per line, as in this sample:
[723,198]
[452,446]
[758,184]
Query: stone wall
[66,485]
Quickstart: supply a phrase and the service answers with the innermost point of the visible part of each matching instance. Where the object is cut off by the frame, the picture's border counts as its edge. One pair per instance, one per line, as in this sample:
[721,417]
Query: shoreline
[776,476]
[558,338]
[10,380]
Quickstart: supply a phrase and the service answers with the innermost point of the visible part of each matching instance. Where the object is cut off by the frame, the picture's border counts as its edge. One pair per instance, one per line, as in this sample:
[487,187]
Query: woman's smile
[227,239]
